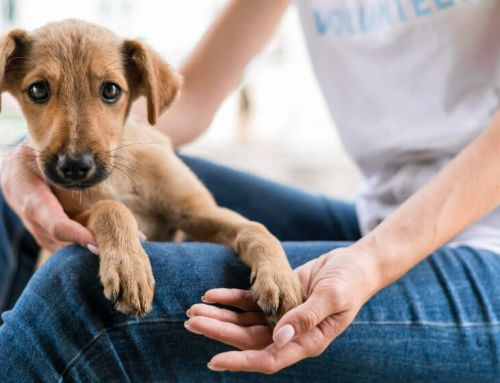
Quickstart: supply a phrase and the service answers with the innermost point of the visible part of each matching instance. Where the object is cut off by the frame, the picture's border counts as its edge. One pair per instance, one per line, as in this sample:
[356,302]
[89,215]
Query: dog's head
[75,82]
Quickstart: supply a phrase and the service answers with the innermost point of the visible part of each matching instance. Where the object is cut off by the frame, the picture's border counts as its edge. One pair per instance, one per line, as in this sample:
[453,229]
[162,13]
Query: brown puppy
[75,82]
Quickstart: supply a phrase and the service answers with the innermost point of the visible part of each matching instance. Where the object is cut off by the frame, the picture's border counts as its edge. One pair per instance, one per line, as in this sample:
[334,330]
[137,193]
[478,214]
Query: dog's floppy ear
[150,76]
[12,51]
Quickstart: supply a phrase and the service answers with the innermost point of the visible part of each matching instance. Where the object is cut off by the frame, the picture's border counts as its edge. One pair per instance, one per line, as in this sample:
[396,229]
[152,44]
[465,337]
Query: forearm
[216,65]
[464,191]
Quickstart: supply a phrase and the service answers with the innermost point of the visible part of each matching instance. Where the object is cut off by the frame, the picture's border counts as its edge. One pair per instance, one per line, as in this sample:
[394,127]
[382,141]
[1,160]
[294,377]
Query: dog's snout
[75,167]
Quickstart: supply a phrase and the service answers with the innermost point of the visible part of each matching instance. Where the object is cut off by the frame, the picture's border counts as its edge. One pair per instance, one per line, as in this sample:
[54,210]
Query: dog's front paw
[128,281]
[276,291]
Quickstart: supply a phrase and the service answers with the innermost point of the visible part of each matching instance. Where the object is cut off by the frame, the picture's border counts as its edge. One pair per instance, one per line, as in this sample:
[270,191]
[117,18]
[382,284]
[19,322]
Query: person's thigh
[289,213]
[439,322]
[63,328]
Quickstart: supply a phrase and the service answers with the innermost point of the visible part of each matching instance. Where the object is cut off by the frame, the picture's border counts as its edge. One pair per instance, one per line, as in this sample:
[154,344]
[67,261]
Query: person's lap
[440,321]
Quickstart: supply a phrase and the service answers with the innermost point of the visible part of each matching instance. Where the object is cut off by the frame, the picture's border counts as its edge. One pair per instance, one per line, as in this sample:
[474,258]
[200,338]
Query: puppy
[75,82]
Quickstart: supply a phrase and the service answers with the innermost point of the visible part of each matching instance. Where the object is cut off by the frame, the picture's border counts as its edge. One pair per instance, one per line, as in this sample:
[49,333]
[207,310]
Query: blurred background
[276,124]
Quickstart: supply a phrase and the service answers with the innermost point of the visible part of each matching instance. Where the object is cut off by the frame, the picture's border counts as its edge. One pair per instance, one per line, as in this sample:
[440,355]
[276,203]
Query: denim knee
[68,279]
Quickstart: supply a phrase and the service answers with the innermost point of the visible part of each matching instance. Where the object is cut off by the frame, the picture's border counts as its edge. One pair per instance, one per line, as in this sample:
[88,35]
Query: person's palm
[331,306]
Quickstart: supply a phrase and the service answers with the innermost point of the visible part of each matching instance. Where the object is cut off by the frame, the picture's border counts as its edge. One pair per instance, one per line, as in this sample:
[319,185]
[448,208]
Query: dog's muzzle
[74,171]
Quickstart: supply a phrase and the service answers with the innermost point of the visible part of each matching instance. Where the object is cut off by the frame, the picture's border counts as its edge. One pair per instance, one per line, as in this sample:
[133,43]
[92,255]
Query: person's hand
[31,198]
[337,285]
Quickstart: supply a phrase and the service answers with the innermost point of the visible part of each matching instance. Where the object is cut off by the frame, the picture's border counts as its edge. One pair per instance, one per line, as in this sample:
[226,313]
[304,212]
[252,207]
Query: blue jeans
[440,322]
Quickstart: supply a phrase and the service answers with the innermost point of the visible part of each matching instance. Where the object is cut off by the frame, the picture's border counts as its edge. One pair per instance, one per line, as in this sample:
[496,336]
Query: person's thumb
[303,318]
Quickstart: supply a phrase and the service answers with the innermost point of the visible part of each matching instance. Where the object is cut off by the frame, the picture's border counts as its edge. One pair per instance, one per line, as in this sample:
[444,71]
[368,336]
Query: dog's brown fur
[147,187]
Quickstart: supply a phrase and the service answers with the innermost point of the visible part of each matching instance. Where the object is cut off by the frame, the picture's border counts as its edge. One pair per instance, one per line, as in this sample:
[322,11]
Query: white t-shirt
[409,84]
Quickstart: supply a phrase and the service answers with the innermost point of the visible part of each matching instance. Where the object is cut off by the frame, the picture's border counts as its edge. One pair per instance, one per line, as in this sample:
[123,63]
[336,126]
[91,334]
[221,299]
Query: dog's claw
[115,296]
[252,278]
[274,311]
[130,285]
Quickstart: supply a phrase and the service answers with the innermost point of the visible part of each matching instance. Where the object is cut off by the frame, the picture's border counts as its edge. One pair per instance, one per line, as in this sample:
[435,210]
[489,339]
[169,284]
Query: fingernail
[205,300]
[93,249]
[284,335]
[142,236]
[188,314]
[213,368]
[190,329]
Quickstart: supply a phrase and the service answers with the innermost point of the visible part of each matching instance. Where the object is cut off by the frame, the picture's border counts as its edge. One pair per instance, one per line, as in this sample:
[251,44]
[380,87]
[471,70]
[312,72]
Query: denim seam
[105,331]
[427,324]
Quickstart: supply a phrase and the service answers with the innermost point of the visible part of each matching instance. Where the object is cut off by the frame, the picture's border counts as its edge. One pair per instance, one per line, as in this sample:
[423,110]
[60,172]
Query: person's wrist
[363,262]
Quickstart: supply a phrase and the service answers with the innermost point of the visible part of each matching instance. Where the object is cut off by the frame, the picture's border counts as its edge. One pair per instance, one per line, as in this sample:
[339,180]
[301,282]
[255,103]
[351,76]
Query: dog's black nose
[75,167]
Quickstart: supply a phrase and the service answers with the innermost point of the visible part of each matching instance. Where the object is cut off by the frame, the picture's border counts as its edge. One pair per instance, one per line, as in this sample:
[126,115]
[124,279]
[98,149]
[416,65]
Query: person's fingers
[44,210]
[66,230]
[267,361]
[304,318]
[45,240]
[242,319]
[252,337]
[272,358]
[242,299]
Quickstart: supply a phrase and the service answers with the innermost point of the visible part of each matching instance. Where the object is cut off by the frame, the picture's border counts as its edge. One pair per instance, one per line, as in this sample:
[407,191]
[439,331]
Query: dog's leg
[125,270]
[273,281]
[174,191]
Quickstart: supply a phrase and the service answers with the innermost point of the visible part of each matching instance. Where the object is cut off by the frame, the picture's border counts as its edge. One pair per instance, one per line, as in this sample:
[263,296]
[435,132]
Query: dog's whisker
[131,144]
[127,168]
[127,160]
[117,167]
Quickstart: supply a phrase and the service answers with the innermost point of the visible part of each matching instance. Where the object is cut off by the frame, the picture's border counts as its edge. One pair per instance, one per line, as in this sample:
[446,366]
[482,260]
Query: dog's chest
[156,225]
[151,222]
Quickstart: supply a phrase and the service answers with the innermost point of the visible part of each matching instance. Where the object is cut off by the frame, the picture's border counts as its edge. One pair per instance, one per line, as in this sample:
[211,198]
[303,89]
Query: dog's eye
[110,92]
[39,92]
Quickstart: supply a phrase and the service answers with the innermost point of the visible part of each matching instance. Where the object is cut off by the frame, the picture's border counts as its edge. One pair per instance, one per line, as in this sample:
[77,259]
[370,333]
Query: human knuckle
[330,328]
[27,210]
[270,369]
[338,294]
[325,290]
[309,319]
[318,350]
[315,352]
[332,298]
[56,230]
[325,257]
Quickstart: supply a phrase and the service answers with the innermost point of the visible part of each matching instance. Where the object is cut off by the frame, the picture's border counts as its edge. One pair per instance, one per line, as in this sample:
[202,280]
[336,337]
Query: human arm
[341,281]
[216,66]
